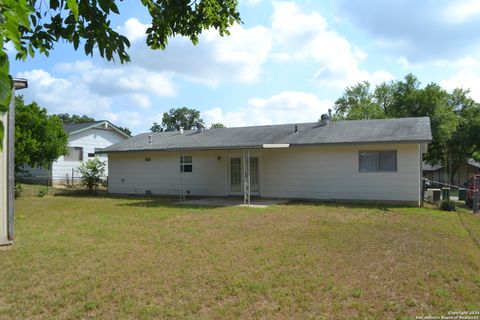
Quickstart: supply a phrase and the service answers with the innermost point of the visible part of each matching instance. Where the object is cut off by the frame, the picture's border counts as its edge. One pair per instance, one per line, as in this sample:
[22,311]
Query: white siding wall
[3,184]
[130,173]
[89,140]
[310,173]
[333,173]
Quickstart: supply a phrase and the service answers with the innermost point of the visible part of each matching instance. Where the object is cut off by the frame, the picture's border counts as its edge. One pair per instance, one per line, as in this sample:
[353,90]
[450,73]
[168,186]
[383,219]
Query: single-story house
[7,176]
[463,173]
[84,139]
[360,160]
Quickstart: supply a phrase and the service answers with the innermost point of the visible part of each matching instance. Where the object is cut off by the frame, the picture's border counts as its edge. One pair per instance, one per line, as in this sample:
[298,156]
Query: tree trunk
[454,169]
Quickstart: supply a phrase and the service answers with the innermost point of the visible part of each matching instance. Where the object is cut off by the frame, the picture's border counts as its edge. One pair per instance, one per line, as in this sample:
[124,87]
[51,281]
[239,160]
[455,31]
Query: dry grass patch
[102,257]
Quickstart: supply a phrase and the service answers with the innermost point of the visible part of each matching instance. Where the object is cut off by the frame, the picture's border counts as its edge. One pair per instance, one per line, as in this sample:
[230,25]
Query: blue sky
[288,62]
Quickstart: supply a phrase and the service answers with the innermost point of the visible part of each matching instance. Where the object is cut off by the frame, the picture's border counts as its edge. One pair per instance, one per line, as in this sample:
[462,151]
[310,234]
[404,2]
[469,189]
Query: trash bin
[462,194]
[445,193]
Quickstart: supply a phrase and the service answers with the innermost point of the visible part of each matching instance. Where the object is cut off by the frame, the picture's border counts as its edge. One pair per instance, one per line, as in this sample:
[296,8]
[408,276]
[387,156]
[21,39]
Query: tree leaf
[73,6]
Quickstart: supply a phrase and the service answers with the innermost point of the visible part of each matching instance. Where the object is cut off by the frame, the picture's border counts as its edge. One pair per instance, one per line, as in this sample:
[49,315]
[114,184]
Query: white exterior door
[236,175]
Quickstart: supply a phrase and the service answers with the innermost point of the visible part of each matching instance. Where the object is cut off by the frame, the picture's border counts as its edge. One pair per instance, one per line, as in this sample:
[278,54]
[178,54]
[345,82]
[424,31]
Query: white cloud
[62,95]
[140,100]
[214,61]
[466,79]
[421,31]
[466,62]
[285,107]
[250,2]
[294,35]
[403,62]
[113,80]
[134,120]
[301,36]
[459,12]
[86,89]
[133,29]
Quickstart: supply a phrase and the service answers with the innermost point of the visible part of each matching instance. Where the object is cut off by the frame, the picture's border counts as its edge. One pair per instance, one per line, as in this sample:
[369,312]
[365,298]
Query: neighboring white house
[83,141]
[361,160]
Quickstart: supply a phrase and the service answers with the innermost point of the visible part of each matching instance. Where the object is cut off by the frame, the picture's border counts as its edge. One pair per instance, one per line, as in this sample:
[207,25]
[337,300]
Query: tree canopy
[74,118]
[217,126]
[126,130]
[37,25]
[178,118]
[454,116]
[39,138]
[156,127]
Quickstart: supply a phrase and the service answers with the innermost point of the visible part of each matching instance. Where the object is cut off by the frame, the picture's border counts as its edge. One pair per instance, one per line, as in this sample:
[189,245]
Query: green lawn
[112,257]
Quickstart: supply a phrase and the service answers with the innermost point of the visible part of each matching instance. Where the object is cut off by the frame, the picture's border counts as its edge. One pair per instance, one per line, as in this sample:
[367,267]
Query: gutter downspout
[17,84]
[182,189]
[422,181]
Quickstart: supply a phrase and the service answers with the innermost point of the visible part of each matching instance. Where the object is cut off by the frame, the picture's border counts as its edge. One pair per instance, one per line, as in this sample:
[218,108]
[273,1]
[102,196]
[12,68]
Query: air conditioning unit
[434,195]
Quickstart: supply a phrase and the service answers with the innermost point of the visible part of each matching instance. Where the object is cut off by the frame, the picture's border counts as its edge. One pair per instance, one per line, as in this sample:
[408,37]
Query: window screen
[186,164]
[387,161]
[74,154]
[378,161]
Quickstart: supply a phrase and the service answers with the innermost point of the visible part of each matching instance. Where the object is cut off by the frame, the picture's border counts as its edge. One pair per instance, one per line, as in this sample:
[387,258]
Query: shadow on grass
[163,202]
[345,204]
[82,193]
[140,201]
[153,201]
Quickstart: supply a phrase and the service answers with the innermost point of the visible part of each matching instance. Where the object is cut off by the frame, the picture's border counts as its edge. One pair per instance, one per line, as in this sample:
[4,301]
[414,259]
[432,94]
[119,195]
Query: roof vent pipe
[296,128]
[200,127]
[325,119]
[181,130]
[149,139]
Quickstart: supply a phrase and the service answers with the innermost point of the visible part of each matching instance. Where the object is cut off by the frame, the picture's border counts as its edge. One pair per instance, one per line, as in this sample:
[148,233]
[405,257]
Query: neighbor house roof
[342,132]
[428,167]
[72,128]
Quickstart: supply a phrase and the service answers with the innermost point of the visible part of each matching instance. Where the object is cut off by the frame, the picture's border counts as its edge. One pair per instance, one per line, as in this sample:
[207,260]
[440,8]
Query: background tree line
[183,117]
[454,116]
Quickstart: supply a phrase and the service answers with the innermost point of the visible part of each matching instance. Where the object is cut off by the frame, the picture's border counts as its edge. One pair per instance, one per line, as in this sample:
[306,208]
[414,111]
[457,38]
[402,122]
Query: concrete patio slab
[232,202]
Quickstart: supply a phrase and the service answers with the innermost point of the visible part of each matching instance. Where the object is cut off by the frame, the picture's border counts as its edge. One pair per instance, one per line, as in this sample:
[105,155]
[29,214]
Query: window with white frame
[378,161]
[74,154]
[186,164]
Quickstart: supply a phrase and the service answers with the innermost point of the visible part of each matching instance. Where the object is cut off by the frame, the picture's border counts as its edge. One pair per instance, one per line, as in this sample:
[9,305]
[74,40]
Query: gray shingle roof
[342,132]
[73,127]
